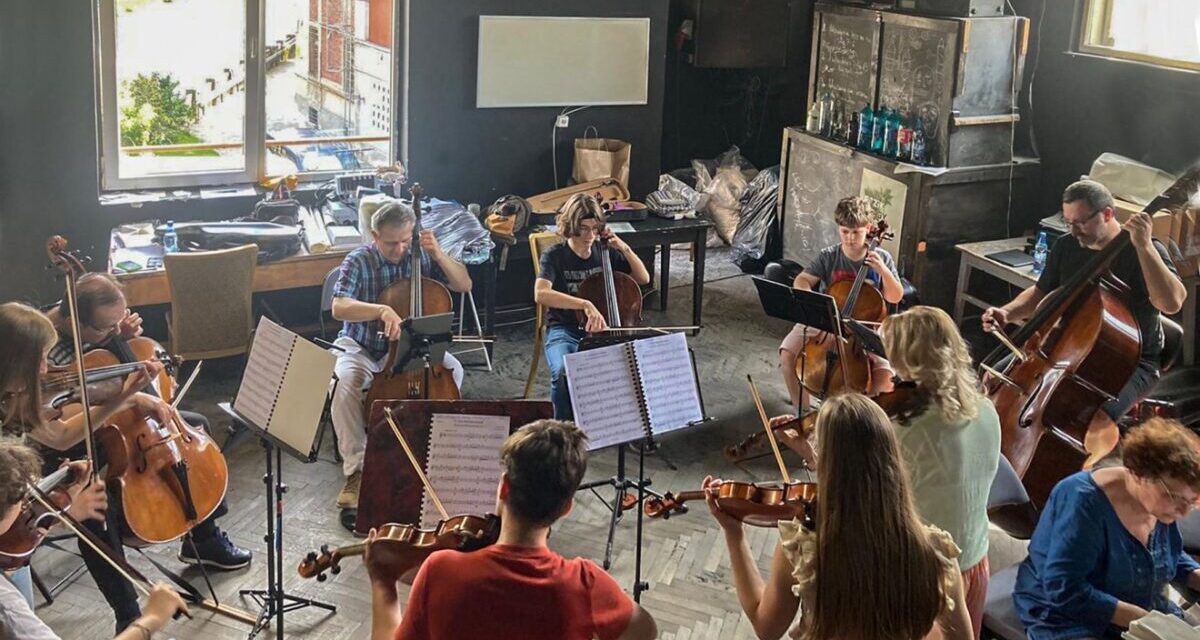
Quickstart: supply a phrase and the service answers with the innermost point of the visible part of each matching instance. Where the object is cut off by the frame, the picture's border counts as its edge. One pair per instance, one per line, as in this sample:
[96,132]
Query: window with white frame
[211,92]
[1161,32]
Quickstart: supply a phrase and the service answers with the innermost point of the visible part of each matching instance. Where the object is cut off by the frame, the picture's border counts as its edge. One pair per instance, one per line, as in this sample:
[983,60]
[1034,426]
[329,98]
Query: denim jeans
[560,341]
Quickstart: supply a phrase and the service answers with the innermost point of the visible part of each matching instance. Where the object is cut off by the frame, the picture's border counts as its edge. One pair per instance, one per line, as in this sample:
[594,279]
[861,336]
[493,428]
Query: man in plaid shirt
[368,327]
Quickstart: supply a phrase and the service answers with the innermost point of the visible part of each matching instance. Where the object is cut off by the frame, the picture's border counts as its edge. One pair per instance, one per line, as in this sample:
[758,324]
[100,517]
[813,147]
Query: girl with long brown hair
[870,570]
[950,443]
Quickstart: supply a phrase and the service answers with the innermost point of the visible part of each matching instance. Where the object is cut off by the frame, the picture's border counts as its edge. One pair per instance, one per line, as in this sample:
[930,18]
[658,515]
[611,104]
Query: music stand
[423,341]
[870,341]
[817,311]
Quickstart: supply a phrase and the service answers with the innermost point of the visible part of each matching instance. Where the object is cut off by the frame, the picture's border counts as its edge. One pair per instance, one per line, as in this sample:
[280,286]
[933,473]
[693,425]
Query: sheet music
[265,369]
[668,382]
[604,397]
[462,465]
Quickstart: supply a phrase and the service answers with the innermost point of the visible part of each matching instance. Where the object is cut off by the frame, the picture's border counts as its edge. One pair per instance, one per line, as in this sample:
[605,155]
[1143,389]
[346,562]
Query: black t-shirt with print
[566,270]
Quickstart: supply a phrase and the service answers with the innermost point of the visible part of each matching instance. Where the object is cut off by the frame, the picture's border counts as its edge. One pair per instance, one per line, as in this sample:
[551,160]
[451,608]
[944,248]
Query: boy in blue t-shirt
[854,217]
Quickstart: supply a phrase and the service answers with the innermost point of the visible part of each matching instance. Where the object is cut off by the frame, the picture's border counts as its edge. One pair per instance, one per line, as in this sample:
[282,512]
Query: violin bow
[762,414]
[186,385]
[387,413]
[68,264]
[1007,342]
[135,577]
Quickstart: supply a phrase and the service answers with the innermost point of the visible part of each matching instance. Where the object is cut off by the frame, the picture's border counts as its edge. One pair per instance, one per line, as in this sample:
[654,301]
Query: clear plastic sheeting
[675,199]
[462,236]
[756,241]
[724,187]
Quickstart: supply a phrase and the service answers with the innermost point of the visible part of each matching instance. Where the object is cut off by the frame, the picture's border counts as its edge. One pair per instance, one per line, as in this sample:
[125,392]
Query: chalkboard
[916,76]
[816,180]
[846,59]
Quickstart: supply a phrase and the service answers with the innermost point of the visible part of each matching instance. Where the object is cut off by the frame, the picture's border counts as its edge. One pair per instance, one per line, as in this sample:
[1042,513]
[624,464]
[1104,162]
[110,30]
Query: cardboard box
[1161,224]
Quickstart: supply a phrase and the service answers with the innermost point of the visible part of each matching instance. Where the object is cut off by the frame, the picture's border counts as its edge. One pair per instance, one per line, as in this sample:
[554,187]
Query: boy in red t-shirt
[517,588]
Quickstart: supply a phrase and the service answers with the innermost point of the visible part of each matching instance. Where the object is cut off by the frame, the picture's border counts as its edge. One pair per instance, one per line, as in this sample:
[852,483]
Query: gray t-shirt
[831,265]
[17,620]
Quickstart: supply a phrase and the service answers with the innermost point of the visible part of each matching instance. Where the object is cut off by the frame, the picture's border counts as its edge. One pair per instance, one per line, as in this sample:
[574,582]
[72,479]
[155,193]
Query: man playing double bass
[368,327]
[1143,265]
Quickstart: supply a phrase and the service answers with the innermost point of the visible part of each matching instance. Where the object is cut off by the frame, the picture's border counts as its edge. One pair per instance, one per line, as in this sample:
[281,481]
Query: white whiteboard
[556,61]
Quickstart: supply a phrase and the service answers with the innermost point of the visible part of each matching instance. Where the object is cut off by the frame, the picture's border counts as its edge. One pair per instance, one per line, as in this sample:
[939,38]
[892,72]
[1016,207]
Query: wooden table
[974,257]
[302,270]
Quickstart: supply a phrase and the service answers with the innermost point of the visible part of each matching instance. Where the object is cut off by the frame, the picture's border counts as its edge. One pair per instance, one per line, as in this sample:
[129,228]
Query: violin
[403,547]
[803,424]
[413,297]
[759,504]
[29,529]
[104,375]
[616,295]
[829,365]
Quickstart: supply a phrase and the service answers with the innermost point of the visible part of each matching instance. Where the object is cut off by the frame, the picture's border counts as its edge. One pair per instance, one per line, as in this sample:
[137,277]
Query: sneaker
[217,552]
[348,498]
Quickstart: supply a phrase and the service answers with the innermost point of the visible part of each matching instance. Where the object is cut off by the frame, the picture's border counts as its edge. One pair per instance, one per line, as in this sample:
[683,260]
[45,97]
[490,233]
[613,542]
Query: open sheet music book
[284,386]
[1160,626]
[634,390]
[462,464]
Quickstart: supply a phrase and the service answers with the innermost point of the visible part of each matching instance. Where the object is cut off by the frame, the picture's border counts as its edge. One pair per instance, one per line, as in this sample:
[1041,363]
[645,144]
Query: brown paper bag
[597,158]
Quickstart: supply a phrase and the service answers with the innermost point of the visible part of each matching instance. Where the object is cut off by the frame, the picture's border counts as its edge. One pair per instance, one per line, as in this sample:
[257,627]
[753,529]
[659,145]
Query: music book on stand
[284,386]
[634,390]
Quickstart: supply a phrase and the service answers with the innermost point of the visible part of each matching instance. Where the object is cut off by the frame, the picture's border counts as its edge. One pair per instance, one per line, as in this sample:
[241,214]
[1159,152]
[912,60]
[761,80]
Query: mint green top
[951,467]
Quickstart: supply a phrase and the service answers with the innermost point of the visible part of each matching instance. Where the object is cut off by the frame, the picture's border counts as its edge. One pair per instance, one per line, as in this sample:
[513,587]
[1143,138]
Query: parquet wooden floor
[684,558]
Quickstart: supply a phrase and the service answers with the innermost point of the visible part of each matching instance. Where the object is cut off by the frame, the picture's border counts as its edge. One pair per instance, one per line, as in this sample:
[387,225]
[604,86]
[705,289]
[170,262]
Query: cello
[829,365]
[616,295]
[410,298]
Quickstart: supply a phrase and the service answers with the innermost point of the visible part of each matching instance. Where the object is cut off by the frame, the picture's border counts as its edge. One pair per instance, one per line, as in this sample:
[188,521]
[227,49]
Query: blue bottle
[170,240]
[918,152]
[1040,252]
[877,129]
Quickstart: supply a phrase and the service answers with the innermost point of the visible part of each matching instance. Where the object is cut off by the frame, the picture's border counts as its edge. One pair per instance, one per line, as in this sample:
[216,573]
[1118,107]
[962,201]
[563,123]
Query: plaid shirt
[363,276]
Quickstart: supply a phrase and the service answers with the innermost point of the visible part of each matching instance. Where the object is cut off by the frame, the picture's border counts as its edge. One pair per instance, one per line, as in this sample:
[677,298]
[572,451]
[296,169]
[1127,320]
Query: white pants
[355,369]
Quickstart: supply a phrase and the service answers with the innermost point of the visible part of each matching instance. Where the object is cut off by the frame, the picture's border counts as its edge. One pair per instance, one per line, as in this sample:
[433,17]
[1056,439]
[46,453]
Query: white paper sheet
[463,464]
[604,397]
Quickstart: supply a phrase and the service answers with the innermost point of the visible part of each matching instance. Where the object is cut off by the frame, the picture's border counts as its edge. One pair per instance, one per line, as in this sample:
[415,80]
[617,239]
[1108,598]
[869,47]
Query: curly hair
[18,465]
[854,212]
[545,461]
[1161,448]
[576,209]
[924,345]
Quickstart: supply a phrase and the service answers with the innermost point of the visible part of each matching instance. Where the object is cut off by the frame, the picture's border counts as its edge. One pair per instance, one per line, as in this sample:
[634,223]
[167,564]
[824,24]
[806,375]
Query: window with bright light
[211,92]
[1162,32]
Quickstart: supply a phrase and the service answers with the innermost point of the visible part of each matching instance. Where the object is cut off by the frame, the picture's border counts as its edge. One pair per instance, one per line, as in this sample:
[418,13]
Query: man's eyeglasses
[1078,224]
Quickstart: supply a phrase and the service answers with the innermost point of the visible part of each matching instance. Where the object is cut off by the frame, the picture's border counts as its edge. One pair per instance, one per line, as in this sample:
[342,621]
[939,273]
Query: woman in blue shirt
[1108,543]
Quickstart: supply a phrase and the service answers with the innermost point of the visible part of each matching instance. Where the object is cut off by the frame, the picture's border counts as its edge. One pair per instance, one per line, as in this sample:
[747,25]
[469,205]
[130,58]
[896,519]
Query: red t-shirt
[522,593]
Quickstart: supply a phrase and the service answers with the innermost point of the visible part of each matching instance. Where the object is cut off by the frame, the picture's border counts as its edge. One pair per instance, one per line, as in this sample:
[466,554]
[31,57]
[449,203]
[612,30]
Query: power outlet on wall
[563,121]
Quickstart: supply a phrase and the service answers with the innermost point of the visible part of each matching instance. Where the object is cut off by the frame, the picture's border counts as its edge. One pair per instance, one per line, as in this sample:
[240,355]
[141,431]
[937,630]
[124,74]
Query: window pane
[181,82]
[1160,28]
[329,76]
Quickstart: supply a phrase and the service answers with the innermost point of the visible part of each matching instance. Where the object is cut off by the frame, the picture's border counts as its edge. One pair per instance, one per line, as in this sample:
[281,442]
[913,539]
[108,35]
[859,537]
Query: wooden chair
[538,243]
[211,314]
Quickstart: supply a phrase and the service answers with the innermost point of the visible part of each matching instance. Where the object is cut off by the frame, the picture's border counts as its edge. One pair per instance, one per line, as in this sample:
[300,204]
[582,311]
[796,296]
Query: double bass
[829,365]
[1076,352]
[413,297]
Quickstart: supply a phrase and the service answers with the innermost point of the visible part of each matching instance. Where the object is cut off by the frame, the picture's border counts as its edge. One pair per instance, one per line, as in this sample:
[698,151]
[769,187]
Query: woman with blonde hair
[563,267]
[949,440]
[1108,540]
[870,570]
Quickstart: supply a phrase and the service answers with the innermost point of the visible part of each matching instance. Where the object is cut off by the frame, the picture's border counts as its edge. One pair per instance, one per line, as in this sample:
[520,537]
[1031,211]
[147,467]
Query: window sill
[226,195]
[1087,55]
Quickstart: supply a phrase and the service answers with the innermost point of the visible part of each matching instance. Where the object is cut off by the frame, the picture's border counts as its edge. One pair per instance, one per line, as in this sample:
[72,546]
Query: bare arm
[1165,289]
[956,623]
[545,295]
[457,277]
[641,626]
[351,310]
[806,281]
[893,291]
[770,606]
[1019,309]
[385,611]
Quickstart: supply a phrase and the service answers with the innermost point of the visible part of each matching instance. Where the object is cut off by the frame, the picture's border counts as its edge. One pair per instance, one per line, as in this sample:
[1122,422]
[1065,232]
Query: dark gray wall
[1084,106]
[480,154]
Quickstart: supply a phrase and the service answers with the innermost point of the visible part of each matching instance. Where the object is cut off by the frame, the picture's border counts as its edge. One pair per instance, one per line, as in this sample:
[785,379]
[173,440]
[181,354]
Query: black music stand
[815,310]
[423,342]
[273,600]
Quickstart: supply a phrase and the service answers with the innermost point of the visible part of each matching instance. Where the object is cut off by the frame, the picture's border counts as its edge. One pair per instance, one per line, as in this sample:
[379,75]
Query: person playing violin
[882,575]
[368,327]
[949,437]
[18,464]
[1143,265]
[563,267]
[516,589]
[1108,540]
[854,217]
[104,317]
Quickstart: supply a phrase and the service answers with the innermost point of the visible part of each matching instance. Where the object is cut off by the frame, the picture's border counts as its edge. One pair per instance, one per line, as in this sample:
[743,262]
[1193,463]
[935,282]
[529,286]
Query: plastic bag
[461,234]
[725,189]
[756,241]
[675,199]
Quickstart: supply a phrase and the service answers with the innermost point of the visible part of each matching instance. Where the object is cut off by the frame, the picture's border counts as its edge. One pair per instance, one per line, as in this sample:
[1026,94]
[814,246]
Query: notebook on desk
[1012,257]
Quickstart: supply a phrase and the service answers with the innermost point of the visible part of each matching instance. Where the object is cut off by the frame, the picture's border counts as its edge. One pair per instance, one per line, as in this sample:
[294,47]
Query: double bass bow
[410,298]
[829,365]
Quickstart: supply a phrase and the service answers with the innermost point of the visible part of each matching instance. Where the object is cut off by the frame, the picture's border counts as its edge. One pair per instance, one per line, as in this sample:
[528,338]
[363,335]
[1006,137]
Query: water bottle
[866,121]
[1040,251]
[918,152]
[170,240]
[877,126]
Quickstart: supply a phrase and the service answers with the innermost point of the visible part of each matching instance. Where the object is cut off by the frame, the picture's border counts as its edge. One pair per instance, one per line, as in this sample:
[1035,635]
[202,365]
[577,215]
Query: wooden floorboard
[691,594]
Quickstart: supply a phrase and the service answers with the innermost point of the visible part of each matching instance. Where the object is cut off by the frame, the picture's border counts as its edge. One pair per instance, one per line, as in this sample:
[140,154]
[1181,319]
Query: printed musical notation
[604,396]
[668,382]
[462,464]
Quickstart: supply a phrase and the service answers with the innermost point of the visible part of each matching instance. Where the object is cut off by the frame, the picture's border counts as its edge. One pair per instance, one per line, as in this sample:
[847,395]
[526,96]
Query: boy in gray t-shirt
[854,217]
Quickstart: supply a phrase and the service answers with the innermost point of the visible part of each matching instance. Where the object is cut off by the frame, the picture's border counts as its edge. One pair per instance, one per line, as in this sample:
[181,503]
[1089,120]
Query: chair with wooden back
[538,243]
[211,314]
